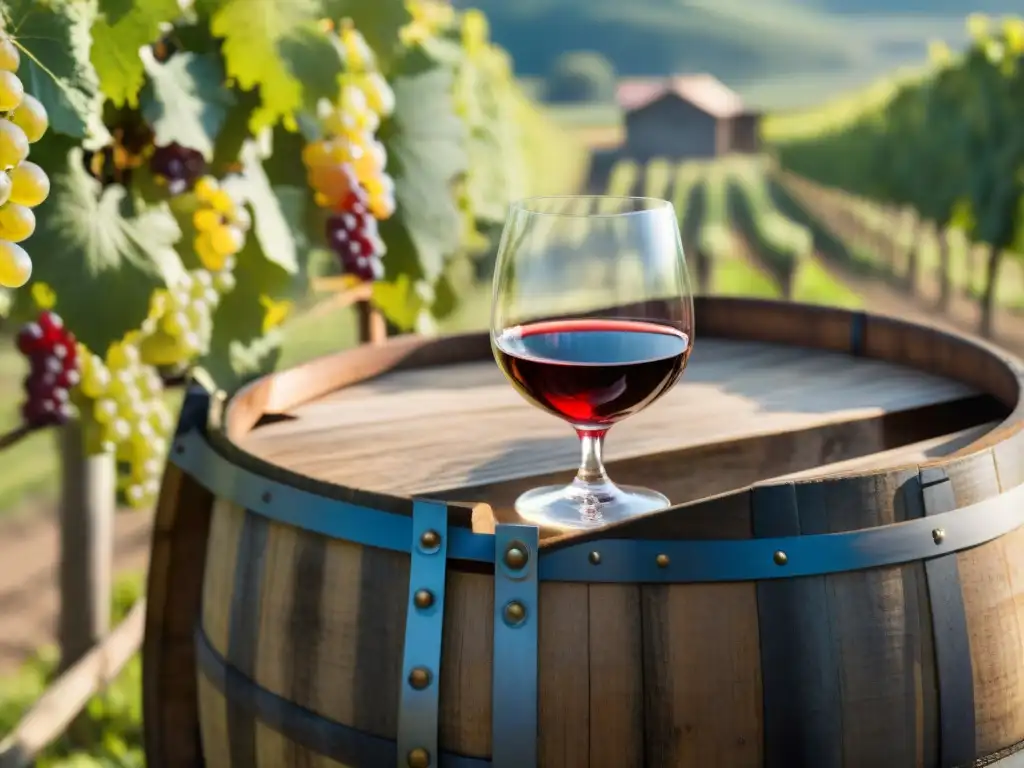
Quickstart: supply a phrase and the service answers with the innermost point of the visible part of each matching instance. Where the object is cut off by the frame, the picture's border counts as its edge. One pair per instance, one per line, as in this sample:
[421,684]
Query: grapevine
[23,185]
[346,167]
[944,143]
[176,227]
[119,395]
[485,99]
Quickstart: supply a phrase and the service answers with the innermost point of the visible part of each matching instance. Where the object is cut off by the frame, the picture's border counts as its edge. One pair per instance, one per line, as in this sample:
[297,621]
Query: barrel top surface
[428,430]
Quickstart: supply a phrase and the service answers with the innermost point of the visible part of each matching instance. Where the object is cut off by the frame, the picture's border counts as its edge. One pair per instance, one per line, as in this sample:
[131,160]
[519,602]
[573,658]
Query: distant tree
[581,76]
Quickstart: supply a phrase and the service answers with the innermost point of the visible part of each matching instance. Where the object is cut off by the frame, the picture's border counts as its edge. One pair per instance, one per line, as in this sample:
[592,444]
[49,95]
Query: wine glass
[591,321]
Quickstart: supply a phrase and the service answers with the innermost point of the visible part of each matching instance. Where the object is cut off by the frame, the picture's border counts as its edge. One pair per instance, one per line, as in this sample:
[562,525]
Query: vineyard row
[736,231]
[943,144]
[751,228]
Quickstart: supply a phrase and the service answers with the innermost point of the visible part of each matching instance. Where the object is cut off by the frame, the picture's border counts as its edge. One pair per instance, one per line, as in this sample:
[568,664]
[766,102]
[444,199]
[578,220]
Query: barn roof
[705,92]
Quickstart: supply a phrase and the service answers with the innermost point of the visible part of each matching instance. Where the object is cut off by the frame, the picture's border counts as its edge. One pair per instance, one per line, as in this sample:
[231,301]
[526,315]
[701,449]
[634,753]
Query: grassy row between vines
[733,227]
[902,235]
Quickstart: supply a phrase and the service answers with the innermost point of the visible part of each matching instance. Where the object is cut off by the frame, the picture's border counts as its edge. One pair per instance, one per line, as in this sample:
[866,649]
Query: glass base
[588,505]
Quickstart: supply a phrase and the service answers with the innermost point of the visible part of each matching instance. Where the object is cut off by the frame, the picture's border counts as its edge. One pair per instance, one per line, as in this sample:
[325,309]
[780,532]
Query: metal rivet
[780,558]
[516,556]
[418,758]
[662,561]
[595,558]
[423,598]
[430,540]
[266,497]
[515,612]
[938,535]
[419,678]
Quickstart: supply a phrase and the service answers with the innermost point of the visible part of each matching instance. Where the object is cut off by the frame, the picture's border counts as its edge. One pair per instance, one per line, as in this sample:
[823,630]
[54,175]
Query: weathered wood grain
[425,430]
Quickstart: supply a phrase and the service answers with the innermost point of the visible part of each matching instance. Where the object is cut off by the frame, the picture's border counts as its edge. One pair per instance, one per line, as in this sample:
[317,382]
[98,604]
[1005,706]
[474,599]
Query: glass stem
[591,475]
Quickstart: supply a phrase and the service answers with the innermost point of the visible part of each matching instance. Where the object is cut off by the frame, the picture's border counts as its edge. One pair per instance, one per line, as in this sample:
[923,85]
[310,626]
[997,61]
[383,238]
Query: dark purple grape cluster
[178,165]
[52,353]
[352,234]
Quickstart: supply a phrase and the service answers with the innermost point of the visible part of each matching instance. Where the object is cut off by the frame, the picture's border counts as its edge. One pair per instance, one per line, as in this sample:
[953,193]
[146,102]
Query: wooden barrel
[338,577]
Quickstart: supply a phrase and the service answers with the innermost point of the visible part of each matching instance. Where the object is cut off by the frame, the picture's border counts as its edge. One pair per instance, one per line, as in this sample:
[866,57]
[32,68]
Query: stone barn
[689,116]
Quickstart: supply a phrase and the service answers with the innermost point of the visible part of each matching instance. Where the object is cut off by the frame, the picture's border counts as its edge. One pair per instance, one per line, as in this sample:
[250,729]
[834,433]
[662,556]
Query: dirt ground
[29,543]
[29,599]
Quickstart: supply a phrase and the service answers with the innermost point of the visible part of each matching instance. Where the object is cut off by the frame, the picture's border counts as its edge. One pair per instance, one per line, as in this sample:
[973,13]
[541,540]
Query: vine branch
[13,437]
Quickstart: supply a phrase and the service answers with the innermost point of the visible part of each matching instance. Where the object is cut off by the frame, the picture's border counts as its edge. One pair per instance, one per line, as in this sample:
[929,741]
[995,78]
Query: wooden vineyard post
[87,497]
[373,328]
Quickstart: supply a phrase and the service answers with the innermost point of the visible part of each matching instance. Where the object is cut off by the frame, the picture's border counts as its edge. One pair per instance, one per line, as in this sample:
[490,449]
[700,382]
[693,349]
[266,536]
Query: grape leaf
[118,33]
[379,22]
[267,265]
[234,132]
[270,225]
[398,300]
[278,47]
[284,166]
[239,350]
[55,64]
[185,100]
[92,243]
[115,10]
[306,51]
[297,206]
[425,143]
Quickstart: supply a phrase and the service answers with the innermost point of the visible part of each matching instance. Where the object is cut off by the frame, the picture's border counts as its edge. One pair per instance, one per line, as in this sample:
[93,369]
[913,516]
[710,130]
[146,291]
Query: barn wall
[745,130]
[670,128]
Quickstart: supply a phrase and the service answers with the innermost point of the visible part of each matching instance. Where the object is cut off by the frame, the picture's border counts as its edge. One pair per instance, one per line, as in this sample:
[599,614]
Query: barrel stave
[226,524]
[878,622]
[230,615]
[173,595]
[993,597]
[563,694]
[804,325]
[938,352]
[332,628]
[213,719]
[467,649]
[616,659]
[702,675]
[1009,458]
[846,678]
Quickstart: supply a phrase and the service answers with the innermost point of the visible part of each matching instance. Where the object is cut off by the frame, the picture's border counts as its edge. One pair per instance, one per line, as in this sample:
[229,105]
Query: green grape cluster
[23,184]
[180,321]
[121,399]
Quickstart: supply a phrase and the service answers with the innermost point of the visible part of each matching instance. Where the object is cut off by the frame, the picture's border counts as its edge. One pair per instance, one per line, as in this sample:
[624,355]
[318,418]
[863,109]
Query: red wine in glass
[591,321]
[592,372]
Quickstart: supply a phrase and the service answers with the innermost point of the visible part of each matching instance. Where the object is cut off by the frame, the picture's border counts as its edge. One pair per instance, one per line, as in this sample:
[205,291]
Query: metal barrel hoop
[419,695]
[516,619]
[622,560]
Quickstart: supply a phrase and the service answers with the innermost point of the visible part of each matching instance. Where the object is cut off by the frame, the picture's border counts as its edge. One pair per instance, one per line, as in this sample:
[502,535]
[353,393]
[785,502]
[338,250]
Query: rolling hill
[777,53]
